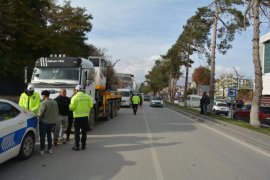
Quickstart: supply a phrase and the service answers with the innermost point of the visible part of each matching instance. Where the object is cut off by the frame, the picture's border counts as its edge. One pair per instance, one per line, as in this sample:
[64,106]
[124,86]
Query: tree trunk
[213,56]
[174,88]
[170,86]
[254,117]
[186,85]
[186,81]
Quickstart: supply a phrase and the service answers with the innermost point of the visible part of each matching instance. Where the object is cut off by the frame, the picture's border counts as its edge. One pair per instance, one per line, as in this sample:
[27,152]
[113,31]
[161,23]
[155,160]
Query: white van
[193,100]
[125,100]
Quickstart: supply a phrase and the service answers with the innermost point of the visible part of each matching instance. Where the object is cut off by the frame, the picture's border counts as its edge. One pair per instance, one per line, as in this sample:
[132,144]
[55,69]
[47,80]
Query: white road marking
[225,135]
[157,167]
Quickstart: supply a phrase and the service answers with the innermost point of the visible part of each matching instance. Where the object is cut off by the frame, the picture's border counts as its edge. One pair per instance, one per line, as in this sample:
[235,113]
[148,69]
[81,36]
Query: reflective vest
[81,104]
[135,99]
[32,102]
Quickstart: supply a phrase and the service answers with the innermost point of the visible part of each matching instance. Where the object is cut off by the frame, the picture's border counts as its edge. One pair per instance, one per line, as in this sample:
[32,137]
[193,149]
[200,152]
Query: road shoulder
[251,137]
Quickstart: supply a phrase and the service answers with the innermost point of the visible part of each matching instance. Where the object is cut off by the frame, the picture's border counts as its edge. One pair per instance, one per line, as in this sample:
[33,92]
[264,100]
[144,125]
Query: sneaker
[75,148]
[41,153]
[83,147]
[50,151]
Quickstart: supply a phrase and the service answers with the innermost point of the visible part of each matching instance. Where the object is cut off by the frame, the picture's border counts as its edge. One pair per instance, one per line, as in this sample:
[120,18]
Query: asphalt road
[157,144]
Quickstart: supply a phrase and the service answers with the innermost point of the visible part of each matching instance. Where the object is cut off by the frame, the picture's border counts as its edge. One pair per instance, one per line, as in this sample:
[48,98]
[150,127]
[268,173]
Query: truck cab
[126,97]
[54,73]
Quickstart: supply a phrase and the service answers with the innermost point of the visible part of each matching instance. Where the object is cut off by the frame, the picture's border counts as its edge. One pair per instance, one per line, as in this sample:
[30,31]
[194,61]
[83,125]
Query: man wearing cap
[81,105]
[48,116]
[30,100]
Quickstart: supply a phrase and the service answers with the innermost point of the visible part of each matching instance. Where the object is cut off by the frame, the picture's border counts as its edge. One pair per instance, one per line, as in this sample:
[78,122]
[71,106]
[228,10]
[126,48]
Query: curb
[251,137]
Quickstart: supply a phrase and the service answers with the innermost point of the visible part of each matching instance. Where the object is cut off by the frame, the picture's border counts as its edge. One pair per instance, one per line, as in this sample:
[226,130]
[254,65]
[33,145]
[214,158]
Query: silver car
[156,102]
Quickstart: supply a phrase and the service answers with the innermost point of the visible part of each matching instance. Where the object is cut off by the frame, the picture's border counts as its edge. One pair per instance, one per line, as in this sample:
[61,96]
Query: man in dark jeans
[69,126]
[135,103]
[201,106]
[48,116]
[205,102]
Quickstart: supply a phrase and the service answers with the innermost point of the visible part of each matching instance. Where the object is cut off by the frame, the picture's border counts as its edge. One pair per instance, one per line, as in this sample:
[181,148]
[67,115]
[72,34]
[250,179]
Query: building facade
[265,61]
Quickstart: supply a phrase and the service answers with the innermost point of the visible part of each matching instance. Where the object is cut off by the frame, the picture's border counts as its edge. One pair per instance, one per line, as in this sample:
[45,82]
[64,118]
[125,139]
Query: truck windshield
[125,93]
[56,73]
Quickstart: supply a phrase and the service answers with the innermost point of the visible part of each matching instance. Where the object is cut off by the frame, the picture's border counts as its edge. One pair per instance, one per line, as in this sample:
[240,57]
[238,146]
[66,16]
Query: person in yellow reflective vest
[81,105]
[135,102]
[30,99]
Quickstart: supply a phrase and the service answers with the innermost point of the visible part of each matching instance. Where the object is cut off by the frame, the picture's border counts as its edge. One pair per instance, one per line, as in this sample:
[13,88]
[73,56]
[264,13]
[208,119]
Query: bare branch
[224,24]
[250,3]
[266,3]
[211,4]
[263,11]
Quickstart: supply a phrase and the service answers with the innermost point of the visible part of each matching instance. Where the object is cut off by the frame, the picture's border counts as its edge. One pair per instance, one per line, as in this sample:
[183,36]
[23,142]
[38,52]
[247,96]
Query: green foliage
[232,20]
[32,29]
[192,90]
[194,38]
[158,77]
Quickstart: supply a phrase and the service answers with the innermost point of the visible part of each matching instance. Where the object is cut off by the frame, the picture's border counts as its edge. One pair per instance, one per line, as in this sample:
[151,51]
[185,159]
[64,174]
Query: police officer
[30,100]
[81,105]
[135,102]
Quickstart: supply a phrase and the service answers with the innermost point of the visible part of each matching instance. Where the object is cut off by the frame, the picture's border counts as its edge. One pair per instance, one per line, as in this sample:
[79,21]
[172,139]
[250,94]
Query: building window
[267,57]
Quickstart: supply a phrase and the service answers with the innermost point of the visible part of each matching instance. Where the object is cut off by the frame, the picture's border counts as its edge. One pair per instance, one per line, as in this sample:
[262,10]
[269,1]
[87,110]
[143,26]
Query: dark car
[147,98]
[244,114]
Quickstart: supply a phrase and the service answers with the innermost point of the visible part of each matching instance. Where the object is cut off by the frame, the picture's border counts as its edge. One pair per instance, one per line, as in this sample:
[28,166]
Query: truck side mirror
[25,74]
[84,78]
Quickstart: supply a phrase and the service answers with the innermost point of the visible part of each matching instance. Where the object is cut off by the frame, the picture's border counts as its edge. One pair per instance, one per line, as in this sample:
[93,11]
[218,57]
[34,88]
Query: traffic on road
[157,143]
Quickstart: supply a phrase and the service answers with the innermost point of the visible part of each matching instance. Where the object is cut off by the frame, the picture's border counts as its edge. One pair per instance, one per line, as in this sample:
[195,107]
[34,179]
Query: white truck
[54,73]
[126,95]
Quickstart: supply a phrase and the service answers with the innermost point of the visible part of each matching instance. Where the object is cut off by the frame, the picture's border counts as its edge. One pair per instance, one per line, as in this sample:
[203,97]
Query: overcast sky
[138,31]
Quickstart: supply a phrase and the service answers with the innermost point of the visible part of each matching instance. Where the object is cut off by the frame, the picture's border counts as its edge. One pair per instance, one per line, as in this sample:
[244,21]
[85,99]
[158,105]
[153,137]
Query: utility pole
[237,77]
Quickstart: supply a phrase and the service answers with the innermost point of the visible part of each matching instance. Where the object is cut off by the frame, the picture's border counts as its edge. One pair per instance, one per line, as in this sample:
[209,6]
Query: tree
[225,82]
[142,87]
[21,34]
[201,76]
[158,77]
[68,27]
[224,9]
[256,7]
[32,29]
[194,38]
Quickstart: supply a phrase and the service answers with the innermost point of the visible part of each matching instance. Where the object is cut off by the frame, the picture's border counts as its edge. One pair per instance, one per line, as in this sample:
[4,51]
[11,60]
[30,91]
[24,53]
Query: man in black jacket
[63,105]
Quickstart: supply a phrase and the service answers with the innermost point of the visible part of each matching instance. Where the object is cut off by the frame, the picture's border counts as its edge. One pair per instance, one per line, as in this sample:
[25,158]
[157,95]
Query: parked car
[193,100]
[244,114]
[221,108]
[156,102]
[147,97]
[17,131]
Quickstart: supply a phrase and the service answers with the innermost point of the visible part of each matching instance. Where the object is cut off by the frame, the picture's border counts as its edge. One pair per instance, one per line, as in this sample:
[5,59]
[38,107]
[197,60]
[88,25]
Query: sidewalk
[251,137]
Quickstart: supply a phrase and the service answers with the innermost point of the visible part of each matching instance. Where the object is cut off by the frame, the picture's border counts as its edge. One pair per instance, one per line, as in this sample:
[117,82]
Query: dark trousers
[81,123]
[135,108]
[45,129]
[201,106]
[69,126]
[205,108]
